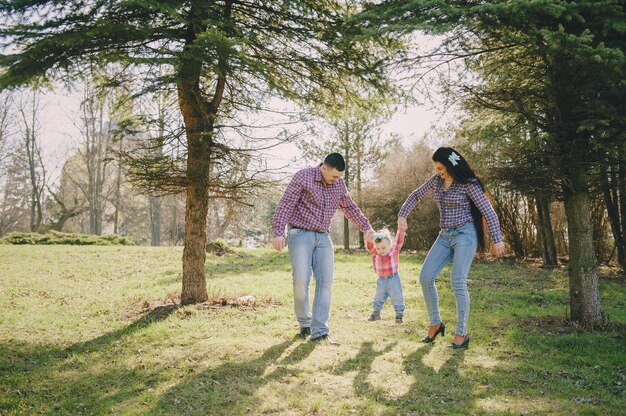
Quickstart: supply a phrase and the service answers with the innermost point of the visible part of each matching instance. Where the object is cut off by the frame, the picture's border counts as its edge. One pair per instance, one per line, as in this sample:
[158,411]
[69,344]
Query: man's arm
[353,213]
[285,208]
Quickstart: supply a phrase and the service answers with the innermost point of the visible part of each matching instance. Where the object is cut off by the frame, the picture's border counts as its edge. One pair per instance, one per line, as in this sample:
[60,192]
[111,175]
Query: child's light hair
[383,234]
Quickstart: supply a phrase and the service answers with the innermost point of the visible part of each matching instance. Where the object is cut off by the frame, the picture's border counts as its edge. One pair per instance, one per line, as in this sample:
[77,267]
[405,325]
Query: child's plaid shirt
[385,266]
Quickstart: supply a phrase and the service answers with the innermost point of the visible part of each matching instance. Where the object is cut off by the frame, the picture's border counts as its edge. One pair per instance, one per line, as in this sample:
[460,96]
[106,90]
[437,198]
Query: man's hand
[498,249]
[278,243]
[402,224]
[369,235]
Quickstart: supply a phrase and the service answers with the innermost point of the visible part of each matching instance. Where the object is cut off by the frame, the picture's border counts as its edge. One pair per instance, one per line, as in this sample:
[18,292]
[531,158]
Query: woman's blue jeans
[311,252]
[459,246]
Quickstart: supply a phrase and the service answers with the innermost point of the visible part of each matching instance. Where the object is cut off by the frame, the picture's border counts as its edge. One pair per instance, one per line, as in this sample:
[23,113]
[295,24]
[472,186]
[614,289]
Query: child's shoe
[399,317]
[375,316]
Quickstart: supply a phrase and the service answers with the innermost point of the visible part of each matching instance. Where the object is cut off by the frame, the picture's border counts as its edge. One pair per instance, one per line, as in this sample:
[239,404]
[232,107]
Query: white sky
[59,135]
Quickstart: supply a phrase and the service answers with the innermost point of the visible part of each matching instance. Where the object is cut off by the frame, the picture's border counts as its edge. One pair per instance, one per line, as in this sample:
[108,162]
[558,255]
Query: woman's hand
[402,224]
[498,249]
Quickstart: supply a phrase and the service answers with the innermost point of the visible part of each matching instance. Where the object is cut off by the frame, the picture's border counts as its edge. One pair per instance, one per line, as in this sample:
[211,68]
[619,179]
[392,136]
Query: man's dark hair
[335,160]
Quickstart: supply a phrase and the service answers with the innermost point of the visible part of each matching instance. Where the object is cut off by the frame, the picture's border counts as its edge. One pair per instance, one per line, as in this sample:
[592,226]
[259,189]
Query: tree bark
[583,270]
[346,177]
[621,186]
[544,227]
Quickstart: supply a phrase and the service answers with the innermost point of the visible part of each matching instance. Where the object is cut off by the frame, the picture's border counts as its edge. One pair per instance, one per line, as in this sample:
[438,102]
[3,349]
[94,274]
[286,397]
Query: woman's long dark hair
[462,172]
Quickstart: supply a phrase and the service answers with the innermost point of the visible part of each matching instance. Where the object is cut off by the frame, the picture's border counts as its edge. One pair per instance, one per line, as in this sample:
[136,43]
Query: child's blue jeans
[389,287]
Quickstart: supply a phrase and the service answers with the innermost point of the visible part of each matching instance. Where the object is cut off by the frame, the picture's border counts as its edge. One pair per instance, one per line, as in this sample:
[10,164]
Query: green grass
[77,336]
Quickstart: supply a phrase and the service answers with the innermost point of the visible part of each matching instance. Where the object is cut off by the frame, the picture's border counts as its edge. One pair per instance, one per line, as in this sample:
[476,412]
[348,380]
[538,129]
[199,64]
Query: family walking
[304,215]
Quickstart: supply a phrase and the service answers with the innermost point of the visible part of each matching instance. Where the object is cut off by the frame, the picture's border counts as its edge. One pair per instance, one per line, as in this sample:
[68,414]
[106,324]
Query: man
[306,208]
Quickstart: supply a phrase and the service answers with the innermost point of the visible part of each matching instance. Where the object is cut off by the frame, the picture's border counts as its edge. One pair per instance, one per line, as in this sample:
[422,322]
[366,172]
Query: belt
[455,226]
[300,228]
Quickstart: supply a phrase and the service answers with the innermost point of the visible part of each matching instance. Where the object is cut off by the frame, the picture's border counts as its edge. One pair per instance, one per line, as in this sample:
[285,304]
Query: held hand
[402,224]
[278,243]
[369,235]
[498,249]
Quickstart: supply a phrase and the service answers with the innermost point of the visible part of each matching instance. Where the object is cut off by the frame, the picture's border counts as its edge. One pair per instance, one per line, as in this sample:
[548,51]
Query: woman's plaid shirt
[454,204]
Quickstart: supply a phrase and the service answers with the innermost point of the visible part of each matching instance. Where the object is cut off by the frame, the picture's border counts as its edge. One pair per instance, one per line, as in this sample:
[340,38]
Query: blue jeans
[459,246]
[389,286]
[311,252]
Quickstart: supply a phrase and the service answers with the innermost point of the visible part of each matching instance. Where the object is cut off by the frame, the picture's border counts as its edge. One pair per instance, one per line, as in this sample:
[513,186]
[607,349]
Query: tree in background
[29,153]
[513,157]
[6,121]
[96,177]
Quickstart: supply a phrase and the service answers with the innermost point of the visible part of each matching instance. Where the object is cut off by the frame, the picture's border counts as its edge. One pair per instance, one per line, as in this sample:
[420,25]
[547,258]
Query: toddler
[385,258]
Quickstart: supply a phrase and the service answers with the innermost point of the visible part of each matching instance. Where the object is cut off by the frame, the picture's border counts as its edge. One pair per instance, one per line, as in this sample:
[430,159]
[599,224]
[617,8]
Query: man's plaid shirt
[454,204]
[385,266]
[309,203]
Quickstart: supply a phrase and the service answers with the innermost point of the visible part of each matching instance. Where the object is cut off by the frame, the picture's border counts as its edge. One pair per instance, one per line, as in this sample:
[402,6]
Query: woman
[462,203]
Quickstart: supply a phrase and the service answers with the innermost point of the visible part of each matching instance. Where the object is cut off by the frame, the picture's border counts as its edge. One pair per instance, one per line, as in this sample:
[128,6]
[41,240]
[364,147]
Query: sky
[60,136]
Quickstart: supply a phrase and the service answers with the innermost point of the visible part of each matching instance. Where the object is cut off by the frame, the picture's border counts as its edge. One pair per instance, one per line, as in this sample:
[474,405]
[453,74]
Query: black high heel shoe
[463,344]
[441,330]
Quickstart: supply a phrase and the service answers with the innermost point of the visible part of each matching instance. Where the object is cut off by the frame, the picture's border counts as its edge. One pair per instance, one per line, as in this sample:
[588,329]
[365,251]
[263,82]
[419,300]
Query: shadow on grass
[429,390]
[47,379]
[230,388]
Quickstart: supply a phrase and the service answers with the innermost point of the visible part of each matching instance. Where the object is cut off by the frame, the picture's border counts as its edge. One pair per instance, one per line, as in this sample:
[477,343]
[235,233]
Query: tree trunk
[583,270]
[155,221]
[194,254]
[118,188]
[359,188]
[346,224]
[174,224]
[621,186]
[544,228]
[612,209]
[199,117]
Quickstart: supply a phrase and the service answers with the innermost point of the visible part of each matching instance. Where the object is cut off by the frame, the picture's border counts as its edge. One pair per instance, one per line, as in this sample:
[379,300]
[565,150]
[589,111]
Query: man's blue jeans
[459,246]
[389,286]
[311,252]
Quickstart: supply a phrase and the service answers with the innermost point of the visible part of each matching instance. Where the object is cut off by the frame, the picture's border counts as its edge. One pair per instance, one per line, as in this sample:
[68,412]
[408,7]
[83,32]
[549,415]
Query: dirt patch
[552,325]
[159,309]
[241,301]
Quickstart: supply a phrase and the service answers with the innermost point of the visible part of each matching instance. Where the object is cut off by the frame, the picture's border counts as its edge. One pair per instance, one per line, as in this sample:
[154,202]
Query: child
[385,260]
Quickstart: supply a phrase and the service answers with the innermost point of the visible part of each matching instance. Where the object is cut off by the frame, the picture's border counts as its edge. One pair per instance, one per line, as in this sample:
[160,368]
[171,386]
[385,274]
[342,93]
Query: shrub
[218,247]
[55,237]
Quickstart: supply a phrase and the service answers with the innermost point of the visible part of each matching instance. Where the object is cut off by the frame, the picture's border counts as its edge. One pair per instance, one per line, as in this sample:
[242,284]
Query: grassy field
[91,330]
